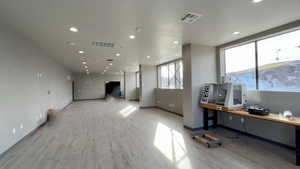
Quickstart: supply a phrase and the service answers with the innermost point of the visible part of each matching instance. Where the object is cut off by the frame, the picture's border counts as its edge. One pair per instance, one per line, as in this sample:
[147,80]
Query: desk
[238,111]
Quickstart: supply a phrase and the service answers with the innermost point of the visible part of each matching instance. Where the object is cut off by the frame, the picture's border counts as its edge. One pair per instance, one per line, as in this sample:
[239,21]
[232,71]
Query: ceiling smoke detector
[190,17]
[103,44]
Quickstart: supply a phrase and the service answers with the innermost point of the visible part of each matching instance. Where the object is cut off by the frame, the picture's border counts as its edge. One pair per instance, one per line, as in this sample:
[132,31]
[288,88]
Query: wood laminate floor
[117,134]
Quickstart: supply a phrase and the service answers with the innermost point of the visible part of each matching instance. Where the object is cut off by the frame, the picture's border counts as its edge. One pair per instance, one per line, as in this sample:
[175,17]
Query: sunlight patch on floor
[171,144]
[128,110]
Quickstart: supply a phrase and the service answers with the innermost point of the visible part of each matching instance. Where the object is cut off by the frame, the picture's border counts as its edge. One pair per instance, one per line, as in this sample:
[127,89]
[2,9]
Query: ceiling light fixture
[256,1]
[110,64]
[176,42]
[118,54]
[73,29]
[81,52]
[236,33]
[84,63]
[86,66]
[132,36]
[148,57]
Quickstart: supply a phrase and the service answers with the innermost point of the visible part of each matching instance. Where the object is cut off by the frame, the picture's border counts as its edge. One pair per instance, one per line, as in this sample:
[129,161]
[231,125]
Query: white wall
[130,86]
[199,68]
[30,84]
[93,86]
[148,85]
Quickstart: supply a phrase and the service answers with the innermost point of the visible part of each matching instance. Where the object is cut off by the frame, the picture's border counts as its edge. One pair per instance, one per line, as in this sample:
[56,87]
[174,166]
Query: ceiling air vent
[108,60]
[103,44]
[190,17]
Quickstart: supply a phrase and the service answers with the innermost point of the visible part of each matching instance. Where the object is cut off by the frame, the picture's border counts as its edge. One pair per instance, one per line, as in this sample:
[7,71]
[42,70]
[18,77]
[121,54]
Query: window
[137,75]
[240,65]
[179,75]
[268,64]
[279,62]
[170,75]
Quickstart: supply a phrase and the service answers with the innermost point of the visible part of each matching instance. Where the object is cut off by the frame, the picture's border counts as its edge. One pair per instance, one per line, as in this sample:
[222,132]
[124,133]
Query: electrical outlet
[242,120]
[230,117]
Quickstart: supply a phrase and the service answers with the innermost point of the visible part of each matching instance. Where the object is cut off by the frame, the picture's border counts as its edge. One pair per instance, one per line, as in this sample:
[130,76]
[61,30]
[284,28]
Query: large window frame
[222,60]
[176,73]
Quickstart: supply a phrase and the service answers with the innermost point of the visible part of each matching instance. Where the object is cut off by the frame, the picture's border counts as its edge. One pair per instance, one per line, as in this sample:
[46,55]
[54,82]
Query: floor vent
[190,17]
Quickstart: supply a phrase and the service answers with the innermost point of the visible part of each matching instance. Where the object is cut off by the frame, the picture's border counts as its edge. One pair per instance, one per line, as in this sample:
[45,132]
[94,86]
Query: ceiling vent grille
[103,44]
[190,17]
[109,60]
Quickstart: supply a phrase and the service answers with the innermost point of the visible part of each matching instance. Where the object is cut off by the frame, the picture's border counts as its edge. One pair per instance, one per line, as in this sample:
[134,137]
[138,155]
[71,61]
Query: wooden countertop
[238,111]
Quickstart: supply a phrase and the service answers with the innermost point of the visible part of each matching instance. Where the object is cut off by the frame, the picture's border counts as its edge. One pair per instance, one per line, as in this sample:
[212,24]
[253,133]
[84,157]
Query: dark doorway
[113,89]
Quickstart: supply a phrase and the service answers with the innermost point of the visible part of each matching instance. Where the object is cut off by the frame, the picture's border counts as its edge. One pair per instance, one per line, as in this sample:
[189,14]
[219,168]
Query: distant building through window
[269,64]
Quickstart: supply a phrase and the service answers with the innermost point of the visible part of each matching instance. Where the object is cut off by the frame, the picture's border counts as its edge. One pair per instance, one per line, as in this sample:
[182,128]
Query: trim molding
[192,129]
[78,100]
[178,114]
[147,107]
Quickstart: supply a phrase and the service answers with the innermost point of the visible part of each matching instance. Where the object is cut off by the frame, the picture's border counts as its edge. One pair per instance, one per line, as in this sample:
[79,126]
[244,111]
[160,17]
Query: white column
[199,68]
[148,85]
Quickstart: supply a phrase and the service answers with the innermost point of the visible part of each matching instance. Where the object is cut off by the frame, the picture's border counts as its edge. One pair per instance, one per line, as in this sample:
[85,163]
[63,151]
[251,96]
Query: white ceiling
[47,23]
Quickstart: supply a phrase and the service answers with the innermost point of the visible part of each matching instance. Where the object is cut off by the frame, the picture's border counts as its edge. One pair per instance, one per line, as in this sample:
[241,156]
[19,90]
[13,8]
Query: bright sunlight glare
[171,144]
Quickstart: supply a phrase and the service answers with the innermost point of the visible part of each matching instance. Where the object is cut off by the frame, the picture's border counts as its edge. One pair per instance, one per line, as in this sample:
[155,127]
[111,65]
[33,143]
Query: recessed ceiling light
[118,54]
[86,66]
[74,29]
[84,63]
[176,42]
[81,52]
[236,33]
[132,36]
[148,57]
[256,1]
[110,64]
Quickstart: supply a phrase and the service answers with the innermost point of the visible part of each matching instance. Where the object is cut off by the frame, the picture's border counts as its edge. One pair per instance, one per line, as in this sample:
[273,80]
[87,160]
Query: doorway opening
[113,88]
